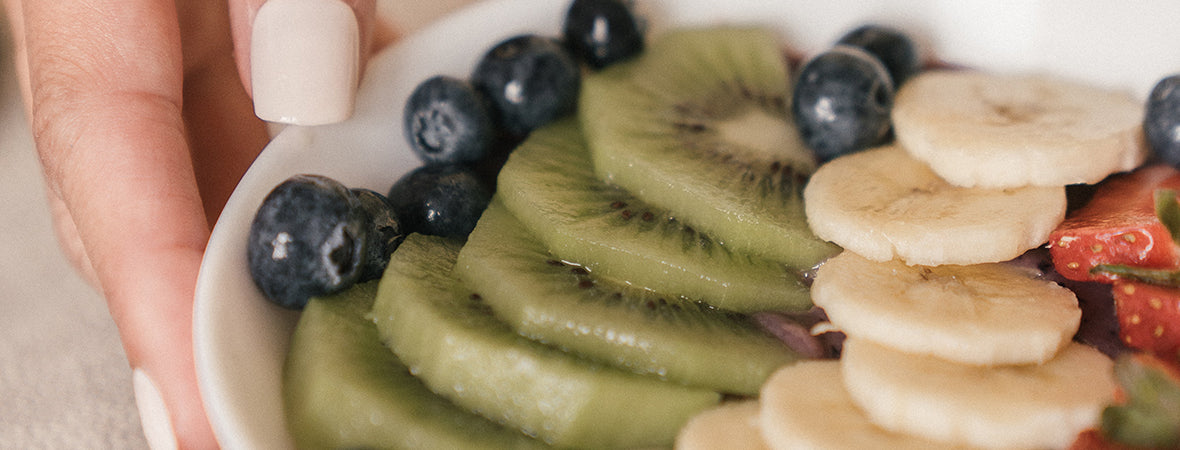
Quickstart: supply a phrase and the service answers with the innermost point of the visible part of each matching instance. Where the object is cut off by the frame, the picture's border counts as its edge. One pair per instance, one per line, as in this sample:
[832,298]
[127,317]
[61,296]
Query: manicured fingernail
[304,61]
[153,413]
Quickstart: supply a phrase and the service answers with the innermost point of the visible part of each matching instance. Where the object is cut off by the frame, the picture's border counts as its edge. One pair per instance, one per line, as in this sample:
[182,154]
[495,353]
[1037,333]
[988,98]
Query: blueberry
[446,120]
[1161,122]
[439,200]
[384,231]
[530,80]
[891,46]
[308,239]
[842,102]
[602,32]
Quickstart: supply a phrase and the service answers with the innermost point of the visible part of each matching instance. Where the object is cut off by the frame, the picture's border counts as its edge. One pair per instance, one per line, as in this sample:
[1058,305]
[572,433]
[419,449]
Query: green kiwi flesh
[549,184]
[699,124]
[343,389]
[453,343]
[565,305]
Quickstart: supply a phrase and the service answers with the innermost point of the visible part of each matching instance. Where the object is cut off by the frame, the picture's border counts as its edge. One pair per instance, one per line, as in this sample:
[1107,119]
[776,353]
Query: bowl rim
[231,360]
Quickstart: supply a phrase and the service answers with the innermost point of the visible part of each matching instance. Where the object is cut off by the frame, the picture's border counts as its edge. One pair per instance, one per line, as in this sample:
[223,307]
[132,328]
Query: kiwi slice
[700,125]
[565,305]
[343,389]
[452,342]
[549,184]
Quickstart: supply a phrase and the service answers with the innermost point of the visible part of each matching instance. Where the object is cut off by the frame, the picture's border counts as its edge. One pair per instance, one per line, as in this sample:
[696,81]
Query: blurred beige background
[64,382]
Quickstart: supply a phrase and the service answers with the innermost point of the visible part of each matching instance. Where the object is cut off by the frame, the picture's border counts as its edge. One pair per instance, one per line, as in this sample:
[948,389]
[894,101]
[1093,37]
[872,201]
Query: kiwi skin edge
[549,186]
[338,377]
[462,352]
[564,305]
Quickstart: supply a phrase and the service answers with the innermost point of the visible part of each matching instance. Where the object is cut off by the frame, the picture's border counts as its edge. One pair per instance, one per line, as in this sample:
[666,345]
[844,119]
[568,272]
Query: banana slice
[883,204]
[805,406]
[1022,406]
[981,314]
[731,425]
[988,130]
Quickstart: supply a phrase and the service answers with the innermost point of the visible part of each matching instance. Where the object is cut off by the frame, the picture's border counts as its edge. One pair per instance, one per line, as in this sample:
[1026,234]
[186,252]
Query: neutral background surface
[64,382]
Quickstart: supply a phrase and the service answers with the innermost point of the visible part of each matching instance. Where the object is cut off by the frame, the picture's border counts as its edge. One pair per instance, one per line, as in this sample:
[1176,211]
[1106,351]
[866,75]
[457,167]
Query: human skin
[144,126]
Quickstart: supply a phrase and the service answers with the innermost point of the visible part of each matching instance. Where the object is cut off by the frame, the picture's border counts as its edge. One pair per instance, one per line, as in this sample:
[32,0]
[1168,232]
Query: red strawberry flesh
[1117,227]
[1149,317]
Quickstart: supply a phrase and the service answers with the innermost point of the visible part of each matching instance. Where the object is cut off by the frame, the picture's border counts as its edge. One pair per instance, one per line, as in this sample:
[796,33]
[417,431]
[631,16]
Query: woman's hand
[298,58]
[144,126]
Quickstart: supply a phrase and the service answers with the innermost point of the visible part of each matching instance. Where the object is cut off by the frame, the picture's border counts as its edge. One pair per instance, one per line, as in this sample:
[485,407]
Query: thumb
[301,60]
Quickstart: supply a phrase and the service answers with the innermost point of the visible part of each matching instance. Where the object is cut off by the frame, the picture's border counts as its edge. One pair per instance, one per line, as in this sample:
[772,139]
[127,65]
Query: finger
[66,233]
[105,84]
[224,135]
[63,225]
[301,60]
[242,13]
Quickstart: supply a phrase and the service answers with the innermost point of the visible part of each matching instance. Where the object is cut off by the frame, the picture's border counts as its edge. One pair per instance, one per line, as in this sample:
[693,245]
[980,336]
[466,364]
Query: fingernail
[304,61]
[153,413]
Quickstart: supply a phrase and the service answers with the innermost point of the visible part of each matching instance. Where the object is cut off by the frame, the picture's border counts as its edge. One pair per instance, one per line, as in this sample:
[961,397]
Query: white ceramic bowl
[241,340]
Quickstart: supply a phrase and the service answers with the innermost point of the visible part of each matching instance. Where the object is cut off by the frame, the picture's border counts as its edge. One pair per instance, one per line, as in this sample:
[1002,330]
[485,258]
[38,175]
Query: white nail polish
[153,413]
[304,61]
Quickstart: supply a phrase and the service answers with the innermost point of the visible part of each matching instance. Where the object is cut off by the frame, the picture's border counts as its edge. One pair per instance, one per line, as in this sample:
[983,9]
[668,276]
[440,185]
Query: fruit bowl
[241,339]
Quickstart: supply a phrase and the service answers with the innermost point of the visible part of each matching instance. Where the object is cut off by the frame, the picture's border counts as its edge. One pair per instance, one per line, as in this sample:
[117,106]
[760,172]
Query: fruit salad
[619,240]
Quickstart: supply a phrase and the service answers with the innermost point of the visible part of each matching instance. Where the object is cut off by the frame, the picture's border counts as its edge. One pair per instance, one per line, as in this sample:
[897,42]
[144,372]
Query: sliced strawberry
[1094,440]
[1119,226]
[1149,317]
